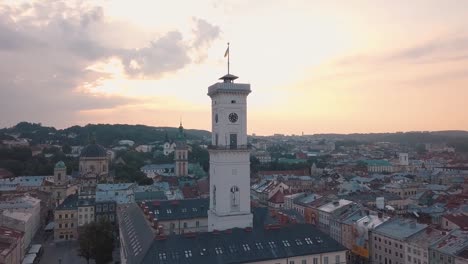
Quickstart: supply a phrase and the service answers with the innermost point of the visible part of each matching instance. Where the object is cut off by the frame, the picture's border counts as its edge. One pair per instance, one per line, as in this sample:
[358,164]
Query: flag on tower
[227,52]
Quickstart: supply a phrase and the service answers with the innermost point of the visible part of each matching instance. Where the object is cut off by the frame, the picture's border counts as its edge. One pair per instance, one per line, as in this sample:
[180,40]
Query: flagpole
[228,57]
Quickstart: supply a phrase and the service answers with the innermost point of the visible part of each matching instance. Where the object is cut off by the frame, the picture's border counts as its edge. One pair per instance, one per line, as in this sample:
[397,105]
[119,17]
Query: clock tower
[229,156]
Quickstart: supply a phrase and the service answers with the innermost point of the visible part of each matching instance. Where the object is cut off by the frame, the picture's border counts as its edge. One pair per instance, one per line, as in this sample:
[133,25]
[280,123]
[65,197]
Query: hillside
[107,135]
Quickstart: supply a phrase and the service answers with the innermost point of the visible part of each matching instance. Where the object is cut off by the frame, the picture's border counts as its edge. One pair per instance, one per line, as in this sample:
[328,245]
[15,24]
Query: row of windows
[185,225]
[65,216]
[389,242]
[91,209]
[317,261]
[105,208]
[66,225]
[86,216]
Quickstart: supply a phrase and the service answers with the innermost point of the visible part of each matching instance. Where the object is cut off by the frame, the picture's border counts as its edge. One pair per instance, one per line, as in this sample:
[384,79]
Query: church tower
[59,190]
[181,154]
[229,156]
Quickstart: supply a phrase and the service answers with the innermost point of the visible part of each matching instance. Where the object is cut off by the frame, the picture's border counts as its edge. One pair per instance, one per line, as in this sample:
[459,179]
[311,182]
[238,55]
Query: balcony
[230,147]
[229,87]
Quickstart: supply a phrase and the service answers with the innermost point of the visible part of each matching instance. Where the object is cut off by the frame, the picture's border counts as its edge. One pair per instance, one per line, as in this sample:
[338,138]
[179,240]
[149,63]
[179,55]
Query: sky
[314,66]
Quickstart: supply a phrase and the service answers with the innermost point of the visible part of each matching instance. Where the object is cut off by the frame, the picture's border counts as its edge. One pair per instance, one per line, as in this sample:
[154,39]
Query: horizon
[326,67]
[261,135]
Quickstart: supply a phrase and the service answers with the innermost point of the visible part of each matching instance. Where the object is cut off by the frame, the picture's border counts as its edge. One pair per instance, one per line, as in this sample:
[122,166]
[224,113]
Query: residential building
[11,245]
[106,210]
[22,214]
[118,192]
[378,166]
[328,211]
[454,221]
[85,212]
[65,218]
[417,247]
[450,249]
[389,240]
[179,216]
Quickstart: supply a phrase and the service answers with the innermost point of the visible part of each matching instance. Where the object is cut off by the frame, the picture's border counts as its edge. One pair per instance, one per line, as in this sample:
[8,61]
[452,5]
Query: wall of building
[327,258]
[383,247]
[66,225]
[184,225]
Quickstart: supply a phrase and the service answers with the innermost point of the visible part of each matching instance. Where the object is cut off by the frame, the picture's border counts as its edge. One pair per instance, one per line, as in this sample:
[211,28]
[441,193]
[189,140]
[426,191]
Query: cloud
[451,47]
[204,33]
[168,53]
[46,49]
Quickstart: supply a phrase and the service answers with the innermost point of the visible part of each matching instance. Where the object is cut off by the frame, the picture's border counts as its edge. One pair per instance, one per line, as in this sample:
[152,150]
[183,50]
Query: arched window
[235,196]
[59,176]
[214,196]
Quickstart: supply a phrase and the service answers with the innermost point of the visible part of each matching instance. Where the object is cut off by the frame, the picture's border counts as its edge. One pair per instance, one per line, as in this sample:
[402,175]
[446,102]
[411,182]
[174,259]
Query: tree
[96,242]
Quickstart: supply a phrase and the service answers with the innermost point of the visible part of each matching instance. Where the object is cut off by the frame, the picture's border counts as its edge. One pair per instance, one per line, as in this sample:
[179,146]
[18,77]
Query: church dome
[60,165]
[93,151]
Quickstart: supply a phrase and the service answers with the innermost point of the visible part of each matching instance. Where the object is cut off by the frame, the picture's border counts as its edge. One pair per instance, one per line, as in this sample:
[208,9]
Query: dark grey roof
[179,209]
[70,203]
[93,151]
[136,235]
[241,245]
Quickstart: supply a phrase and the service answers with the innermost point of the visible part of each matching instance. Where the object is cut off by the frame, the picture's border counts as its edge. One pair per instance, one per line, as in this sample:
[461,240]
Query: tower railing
[230,147]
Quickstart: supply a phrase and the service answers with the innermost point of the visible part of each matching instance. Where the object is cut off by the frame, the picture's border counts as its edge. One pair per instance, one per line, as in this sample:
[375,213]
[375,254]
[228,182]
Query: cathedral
[93,168]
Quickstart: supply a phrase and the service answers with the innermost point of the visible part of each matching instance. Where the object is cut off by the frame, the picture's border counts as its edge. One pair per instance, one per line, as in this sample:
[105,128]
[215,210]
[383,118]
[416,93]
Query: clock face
[233,117]
[216,118]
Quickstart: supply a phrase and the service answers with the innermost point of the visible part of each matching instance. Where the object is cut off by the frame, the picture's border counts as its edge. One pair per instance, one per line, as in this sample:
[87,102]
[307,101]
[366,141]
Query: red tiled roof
[4,173]
[277,198]
[460,220]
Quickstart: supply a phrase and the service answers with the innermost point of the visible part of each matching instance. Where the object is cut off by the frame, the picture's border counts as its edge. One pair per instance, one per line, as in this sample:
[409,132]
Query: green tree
[96,242]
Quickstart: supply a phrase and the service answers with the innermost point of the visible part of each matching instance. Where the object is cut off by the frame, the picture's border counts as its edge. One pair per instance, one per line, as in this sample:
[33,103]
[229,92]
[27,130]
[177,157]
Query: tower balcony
[230,147]
[229,88]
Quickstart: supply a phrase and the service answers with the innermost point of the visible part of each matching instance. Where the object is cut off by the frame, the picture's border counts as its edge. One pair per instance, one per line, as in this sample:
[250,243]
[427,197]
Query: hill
[106,134]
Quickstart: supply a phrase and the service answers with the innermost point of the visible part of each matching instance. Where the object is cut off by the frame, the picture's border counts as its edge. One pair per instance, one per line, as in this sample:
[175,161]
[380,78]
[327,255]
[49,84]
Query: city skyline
[323,67]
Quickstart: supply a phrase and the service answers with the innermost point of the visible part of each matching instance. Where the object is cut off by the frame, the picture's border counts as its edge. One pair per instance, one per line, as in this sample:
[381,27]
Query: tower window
[214,196]
[233,101]
[59,176]
[235,196]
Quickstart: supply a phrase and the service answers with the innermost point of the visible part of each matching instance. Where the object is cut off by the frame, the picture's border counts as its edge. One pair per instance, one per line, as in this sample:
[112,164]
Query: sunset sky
[314,66]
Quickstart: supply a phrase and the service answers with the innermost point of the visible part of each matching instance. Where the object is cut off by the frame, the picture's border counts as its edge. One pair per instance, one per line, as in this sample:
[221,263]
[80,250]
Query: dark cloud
[47,46]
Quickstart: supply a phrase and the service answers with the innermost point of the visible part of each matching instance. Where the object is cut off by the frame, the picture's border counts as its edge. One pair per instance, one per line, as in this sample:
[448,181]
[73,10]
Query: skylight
[194,209]
[298,242]
[203,252]
[246,247]
[218,250]
[286,243]
[184,210]
[259,245]
[169,211]
[272,244]
[188,253]
[308,241]
[162,256]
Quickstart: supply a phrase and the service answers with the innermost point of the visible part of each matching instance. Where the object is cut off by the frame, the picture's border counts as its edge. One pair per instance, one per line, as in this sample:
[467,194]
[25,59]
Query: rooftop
[70,203]
[242,245]
[93,151]
[400,229]
[453,243]
[178,209]
[332,206]
[136,236]
[460,220]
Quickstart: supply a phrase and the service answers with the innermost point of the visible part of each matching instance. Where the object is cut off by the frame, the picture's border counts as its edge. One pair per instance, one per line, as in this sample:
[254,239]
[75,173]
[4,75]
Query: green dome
[60,165]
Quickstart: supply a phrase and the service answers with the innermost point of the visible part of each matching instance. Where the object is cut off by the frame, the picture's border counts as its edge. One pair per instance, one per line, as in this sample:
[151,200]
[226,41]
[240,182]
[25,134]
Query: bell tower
[229,156]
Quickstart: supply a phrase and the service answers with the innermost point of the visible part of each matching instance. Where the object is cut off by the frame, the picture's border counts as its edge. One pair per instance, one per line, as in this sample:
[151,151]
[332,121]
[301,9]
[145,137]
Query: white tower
[229,156]
[403,157]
